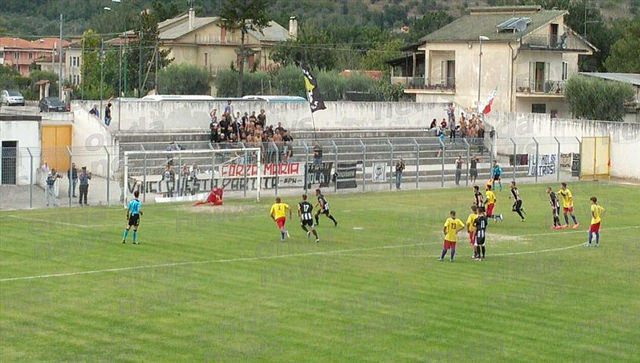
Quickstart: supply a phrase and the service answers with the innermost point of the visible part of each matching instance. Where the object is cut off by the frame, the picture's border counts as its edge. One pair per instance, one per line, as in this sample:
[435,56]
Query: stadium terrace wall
[162,116]
[625,137]
[26,131]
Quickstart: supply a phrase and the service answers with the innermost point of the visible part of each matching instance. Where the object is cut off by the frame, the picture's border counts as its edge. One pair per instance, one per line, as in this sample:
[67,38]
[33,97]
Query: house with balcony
[21,54]
[526,53]
[205,42]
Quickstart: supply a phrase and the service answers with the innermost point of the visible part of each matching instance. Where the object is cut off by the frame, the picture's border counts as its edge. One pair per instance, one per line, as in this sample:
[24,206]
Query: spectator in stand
[459,163]
[473,169]
[50,191]
[463,125]
[441,141]
[317,153]
[399,169]
[228,109]
[193,178]
[94,111]
[168,177]
[452,129]
[245,119]
[443,124]
[213,129]
[253,117]
[213,114]
[262,118]
[433,124]
[84,185]
[107,113]
[72,174]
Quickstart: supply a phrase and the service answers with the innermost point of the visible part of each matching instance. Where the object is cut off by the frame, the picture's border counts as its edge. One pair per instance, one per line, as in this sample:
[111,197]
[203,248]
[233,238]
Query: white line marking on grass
[229,260]
[247,259]
[53,220]
[490,255]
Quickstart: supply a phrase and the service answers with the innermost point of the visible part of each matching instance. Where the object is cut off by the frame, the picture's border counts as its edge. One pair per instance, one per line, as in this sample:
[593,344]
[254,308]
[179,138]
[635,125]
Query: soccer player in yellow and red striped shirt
[490,202]
[278,213]
[567,205]
[452,226]
[594,228]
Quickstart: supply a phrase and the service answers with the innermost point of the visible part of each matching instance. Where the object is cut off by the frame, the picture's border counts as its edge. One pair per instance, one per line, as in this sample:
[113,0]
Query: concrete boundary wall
[194,115]
[625,137]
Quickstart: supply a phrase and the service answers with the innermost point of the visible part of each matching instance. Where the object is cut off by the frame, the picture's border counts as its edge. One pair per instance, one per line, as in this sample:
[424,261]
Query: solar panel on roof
[514,24]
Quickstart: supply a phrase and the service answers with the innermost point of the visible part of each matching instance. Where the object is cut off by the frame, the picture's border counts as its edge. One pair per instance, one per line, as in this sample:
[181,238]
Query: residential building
[527,55]
[205,42]
[73,63]
[21,54]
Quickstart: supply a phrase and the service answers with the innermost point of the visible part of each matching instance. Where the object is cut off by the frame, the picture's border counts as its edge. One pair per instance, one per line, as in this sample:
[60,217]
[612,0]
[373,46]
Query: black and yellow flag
[315,99]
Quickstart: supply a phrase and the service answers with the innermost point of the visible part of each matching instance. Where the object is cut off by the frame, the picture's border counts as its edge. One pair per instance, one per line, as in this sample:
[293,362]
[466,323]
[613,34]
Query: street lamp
[480,38]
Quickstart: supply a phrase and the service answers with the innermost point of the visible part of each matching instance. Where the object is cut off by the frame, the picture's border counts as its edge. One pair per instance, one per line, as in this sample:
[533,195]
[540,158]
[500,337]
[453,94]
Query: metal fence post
[125,177]
[580,153]
[144,175]
[442,172]
[335,151]
[70,181]
[245,171]
[30,178]
[417,162]
[364,163]
[468,159]
[108,176]
[306,166]
[390,163]
[557,160]
[514,157]
[277,165]
[537,149]
[178,188]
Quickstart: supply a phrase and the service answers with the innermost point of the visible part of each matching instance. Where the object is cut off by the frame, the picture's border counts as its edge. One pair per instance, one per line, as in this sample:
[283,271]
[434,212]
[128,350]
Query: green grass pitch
[212,284]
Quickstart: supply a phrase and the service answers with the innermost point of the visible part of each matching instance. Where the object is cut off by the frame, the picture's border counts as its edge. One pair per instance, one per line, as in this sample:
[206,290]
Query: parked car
[11,97]
[51,104]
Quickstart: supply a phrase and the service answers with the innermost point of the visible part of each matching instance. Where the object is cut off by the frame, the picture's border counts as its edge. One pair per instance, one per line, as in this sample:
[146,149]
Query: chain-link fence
[247,169]
[54,176]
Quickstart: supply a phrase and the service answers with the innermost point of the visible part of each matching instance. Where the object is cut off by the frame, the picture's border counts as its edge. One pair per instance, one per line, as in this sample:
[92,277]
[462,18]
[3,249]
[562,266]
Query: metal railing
[366,164]
[447,84]
[531,86]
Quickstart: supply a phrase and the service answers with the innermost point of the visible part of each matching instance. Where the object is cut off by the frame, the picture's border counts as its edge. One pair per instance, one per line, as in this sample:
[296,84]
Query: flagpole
[313,124]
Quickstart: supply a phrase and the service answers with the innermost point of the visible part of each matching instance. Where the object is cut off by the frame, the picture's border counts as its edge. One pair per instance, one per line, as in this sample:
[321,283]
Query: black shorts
[556,211]
[479,241]
[134,220]
[306,222]
[473,172]
[323,211]
[517,205]
[496,177]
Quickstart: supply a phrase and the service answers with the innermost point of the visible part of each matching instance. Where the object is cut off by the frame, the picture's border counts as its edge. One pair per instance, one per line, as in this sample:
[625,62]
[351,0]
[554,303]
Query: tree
[93,75]
[625,53]
[597,99]
[375,57]
[184,79]
[142,54]
[245,16]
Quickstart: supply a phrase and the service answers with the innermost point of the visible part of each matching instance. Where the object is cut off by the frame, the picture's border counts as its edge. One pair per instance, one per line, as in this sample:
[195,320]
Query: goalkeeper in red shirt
[214,197]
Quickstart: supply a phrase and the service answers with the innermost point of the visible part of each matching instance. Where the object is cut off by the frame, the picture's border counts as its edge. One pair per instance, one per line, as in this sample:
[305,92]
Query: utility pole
[156,72]
[101,71]
[140,65]
[60,61]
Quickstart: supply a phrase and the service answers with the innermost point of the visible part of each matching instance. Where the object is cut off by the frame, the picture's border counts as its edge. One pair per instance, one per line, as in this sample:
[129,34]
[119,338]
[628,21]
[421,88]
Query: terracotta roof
[42,43]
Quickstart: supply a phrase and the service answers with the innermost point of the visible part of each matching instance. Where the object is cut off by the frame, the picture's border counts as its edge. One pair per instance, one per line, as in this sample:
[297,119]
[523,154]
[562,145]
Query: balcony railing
[531,86]
[444,85]
[559,42]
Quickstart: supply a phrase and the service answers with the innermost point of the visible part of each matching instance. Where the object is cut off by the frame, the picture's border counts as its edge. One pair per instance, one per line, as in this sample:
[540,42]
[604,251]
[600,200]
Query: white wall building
[527,55]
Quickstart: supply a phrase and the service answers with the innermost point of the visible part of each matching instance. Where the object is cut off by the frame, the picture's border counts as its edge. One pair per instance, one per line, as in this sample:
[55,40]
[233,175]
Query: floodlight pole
[480,38]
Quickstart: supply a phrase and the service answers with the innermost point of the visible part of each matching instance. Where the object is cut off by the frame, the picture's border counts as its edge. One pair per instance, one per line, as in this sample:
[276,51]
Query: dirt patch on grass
[224,209]
[492,237]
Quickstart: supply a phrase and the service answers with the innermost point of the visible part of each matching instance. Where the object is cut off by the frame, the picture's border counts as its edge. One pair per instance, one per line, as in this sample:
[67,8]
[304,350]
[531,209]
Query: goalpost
[191,172]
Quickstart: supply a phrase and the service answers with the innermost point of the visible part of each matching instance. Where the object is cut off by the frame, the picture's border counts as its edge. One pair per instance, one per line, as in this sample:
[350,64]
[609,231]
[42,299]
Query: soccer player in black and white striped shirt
[517,201]
[306,217]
